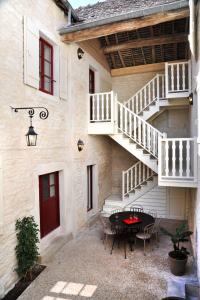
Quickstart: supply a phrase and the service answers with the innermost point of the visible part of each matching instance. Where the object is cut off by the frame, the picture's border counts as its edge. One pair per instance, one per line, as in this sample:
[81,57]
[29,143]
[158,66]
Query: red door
[91,88]
[49,203]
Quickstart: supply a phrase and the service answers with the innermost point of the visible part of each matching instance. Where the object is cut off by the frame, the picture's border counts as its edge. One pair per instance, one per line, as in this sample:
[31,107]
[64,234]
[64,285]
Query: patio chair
[156,230]
[145,235]
[106,229]
[116,210]
[136,208]
[120,235]
[152,213]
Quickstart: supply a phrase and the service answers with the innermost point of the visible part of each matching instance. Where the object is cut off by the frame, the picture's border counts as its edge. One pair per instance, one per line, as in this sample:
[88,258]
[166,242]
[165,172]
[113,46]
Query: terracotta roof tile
[110,8]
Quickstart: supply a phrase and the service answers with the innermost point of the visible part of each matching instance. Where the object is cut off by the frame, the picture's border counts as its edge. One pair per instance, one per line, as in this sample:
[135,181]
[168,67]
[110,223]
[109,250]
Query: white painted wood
[31,53]
[63,86]
[182,173]
[180,71]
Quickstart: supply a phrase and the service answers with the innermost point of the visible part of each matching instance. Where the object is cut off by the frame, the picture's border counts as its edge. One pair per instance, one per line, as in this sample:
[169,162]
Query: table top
[146,219]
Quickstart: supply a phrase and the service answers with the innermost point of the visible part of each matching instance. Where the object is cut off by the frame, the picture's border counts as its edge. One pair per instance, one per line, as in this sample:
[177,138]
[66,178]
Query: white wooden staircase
[127,124]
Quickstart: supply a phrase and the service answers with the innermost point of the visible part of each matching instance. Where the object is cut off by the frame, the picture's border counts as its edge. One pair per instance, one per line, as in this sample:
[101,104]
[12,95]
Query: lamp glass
[80,145]
[31,137]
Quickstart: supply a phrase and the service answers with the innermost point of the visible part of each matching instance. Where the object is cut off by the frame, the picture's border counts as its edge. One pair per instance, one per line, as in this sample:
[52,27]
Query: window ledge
[48,96]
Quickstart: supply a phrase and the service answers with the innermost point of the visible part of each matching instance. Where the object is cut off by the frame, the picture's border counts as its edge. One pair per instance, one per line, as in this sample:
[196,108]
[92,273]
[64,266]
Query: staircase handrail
[137,129]
[133,177]
[144,91]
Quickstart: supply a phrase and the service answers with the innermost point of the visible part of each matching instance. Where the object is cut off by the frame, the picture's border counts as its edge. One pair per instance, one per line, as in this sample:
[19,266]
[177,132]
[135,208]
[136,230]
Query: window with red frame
[46,67]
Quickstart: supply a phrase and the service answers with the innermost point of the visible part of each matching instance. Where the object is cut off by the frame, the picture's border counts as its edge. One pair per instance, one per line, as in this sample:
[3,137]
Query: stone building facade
[21,167]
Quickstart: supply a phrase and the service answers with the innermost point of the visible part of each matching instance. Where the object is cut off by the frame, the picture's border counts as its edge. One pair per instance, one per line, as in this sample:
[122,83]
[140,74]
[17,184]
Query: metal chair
[145,235]
[106,229]
[116,210]
[120,235]
[136,208]
[156,230]
[152,213]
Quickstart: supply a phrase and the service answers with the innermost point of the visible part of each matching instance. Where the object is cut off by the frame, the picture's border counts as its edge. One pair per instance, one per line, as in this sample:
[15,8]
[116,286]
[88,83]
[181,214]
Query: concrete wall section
[174,122]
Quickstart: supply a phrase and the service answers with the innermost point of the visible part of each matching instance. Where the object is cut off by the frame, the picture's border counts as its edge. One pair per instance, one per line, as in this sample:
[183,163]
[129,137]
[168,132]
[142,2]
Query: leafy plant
[181,235]
[26,249]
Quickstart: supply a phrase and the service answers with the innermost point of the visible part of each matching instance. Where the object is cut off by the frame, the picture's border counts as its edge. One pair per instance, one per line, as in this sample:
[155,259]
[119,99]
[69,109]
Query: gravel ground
[82,269]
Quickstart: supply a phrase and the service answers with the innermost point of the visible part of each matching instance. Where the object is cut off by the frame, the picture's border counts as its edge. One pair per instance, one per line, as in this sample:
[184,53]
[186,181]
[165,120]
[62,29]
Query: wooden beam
[129,25]
[138,69]
[151,41]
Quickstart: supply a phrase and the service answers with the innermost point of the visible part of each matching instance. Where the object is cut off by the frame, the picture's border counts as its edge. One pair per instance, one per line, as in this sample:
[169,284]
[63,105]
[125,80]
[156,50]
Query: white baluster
[178,79]
[135,127]
[93,107]
[97,107]
[167,158]
[188,158]
[127,182]
[131,178]
[183,75]
[163,87]
[121,117]
[153,86]
[143,172]
[180,158]
[172,77]
[173,158]
[145,97]
[125,120]
[130,124]
[140,173]
[149,93]
[139,130]
[144,134]
[107,106]
[137,104]
[102,107]
[135,175]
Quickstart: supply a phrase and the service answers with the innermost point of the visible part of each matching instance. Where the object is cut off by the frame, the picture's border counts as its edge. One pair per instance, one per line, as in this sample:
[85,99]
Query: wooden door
[49,203]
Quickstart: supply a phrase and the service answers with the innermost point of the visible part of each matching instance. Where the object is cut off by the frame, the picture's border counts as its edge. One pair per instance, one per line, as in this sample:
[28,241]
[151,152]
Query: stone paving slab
[82,269]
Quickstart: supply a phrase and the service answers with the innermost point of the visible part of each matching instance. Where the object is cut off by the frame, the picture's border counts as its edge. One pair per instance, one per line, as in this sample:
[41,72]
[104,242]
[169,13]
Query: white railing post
[195,160]
[123,194]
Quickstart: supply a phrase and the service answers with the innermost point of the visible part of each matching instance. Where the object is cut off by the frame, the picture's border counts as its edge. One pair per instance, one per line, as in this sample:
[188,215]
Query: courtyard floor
[82,269]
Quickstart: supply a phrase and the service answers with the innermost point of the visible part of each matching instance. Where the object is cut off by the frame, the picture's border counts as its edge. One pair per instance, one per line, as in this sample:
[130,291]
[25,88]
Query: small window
[46,67]
[90,187]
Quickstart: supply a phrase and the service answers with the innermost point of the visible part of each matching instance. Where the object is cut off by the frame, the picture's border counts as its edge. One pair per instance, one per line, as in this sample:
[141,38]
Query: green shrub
[26,249]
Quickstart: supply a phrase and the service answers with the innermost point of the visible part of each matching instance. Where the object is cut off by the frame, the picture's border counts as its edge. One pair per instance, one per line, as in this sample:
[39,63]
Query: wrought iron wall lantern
[80,145]
[190,98]
[80,53]
[31,136]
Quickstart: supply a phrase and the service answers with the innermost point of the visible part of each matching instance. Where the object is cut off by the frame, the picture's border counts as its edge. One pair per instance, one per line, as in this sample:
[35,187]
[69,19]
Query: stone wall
[127,86]
[121,161]
[57,136]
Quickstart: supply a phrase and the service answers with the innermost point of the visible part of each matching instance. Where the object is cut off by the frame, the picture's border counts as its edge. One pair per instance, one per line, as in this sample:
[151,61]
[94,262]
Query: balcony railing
[177,79]
[177,160]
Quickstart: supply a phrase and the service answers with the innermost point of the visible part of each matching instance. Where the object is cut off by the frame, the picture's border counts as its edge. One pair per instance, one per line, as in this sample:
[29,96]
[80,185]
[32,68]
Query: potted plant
[178,257]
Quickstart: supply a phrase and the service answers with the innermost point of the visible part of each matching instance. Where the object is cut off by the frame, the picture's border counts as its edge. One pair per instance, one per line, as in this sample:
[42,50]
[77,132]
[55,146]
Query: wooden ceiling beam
[144,42]
[129,25]
[138,69]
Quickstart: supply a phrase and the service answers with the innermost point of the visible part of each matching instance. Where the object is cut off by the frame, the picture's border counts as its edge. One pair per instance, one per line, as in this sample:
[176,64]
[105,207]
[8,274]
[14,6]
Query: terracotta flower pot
[177,262]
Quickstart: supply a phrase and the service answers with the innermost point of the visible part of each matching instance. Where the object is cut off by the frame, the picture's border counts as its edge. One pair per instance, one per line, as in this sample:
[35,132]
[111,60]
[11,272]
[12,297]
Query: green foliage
[26,249]
[181,235]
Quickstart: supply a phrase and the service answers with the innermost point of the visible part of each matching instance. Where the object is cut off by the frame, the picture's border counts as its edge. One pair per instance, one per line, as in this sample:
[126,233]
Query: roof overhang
[125,22]
[66,6]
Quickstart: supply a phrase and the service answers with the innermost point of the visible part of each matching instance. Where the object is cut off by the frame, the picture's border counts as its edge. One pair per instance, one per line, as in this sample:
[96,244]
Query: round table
[145,219]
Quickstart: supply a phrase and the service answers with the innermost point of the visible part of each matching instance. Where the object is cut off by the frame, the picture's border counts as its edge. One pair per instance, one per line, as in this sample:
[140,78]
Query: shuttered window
[46,67]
